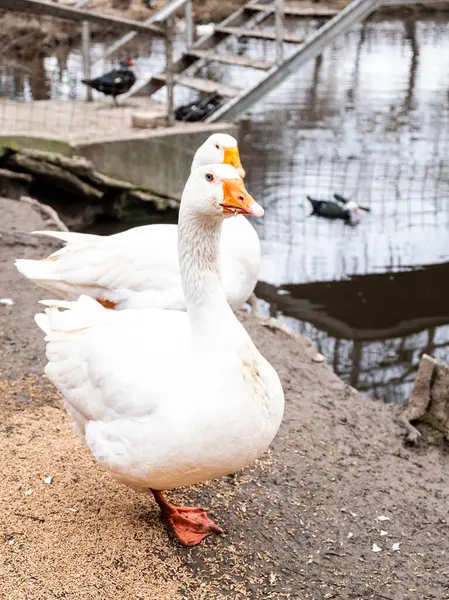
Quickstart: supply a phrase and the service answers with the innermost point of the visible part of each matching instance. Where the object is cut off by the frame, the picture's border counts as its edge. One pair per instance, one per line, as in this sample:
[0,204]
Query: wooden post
[86,57]
[169,70]
[188,15]
[279,23]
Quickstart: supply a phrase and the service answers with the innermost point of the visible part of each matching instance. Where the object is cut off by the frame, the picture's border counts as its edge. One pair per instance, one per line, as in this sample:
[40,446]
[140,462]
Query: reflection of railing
[385,369]
[374,348]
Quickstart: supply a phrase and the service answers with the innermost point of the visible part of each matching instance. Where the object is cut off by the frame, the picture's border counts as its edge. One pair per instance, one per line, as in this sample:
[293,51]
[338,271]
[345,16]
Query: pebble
[7,301]
[318,358]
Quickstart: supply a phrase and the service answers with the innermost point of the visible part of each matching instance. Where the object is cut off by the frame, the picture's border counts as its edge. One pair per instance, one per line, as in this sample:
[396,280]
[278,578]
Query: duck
[346,201]
[139,268]
[115,82]
[165,398]
[199,110]
[348,212]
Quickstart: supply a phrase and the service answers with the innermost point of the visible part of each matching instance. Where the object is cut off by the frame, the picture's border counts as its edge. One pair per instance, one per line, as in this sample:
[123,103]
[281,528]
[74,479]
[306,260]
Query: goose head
[219,148]
[218,191]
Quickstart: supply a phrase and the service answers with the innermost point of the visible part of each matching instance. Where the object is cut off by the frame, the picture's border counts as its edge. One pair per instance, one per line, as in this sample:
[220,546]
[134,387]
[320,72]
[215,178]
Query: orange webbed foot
[190,525]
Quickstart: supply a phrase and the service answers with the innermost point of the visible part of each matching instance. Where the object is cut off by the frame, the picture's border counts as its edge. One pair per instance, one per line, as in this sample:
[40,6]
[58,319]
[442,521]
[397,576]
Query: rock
[429,401]
[318,358]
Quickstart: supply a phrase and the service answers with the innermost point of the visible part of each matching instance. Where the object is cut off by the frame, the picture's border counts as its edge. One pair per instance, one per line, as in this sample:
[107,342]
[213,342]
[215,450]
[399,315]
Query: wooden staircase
[248,22]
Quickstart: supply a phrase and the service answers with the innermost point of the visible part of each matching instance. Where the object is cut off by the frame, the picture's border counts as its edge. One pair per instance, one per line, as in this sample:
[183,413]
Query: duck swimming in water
[349,211]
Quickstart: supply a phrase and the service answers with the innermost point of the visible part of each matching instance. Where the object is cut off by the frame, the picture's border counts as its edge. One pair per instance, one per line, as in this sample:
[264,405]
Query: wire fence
[43,91]
[368,120]
[384,369]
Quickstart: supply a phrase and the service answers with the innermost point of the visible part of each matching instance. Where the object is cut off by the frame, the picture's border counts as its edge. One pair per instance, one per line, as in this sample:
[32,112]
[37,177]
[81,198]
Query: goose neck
[199,261]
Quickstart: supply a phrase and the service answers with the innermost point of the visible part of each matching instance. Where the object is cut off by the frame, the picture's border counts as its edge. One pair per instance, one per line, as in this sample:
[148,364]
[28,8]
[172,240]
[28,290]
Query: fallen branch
[76,176]
[33,518]
[46,211]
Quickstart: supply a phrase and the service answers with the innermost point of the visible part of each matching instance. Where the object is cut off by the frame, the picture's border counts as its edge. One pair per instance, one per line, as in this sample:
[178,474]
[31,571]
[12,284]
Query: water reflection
[372,328]
[379,93]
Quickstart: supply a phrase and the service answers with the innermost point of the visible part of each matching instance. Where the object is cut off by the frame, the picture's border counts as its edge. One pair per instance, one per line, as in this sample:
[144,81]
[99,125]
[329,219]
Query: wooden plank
[185,64]
[353,13]
[168,10]
[201,85]
[40,7]
[260,34]
[319,11]
[231,59]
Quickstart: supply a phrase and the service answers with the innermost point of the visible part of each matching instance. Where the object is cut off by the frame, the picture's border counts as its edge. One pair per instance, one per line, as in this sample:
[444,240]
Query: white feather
[139,268]
[67,236]
[166,398]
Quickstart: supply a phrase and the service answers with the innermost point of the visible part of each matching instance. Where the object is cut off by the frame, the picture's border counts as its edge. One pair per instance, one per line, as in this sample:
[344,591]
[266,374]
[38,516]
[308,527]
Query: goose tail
[74,318]
[67,236]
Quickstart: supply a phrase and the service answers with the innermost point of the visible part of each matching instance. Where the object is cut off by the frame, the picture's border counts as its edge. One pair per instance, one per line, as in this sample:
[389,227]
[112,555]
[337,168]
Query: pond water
[369,120]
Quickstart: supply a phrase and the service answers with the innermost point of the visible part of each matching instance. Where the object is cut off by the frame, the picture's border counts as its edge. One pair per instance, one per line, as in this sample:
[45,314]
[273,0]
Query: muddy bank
[80,194]
[301,524]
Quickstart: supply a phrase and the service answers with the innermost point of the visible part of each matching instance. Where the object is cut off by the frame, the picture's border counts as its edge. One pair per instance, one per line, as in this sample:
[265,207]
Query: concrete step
[231,59]
[293,11]
[260,34]
[201,85]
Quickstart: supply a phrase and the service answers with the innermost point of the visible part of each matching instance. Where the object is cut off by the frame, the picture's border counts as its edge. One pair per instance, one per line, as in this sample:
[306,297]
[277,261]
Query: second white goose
[139,268]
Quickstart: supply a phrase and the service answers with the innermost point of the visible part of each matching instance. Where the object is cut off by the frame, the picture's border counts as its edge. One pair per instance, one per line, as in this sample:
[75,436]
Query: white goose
[139,268]
[167,398]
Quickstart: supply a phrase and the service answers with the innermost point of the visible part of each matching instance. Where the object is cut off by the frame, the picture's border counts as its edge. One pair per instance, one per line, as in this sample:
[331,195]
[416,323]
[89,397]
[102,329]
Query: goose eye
[210,177]
[217,146]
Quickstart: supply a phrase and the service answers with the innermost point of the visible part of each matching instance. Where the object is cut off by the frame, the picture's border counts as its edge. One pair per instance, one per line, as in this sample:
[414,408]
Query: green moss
[18,142]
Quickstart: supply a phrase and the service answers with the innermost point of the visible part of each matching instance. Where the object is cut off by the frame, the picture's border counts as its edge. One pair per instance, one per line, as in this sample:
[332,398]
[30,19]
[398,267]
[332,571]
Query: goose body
[166,398]
[139,268]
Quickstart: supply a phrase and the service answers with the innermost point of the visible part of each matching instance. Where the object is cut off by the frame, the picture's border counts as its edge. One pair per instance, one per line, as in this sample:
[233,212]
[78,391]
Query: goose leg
[190,525]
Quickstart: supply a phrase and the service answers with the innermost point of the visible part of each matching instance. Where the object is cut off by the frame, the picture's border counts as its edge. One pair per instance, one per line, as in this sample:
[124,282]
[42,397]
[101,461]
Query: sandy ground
[300,524]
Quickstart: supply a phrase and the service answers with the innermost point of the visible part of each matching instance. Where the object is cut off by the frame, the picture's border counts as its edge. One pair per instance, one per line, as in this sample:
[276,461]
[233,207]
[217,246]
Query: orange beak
[232,157]
[236,199]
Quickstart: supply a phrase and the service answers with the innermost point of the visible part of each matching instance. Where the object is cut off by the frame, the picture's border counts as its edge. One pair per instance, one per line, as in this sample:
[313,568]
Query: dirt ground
[303,523]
